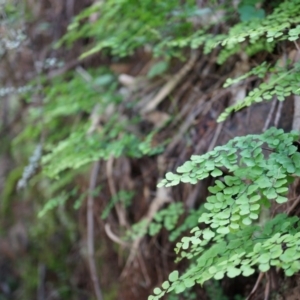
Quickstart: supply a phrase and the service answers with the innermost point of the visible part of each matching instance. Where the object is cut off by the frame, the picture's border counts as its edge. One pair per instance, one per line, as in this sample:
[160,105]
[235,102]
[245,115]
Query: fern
[126,29]
[53,203]
[75,98]
[275,27]
[189,222]
[250,172]
[79,149]
[234,254]
[165,218]
[167,27]
[234,202]
[282,83]
[247,178]
[122,196]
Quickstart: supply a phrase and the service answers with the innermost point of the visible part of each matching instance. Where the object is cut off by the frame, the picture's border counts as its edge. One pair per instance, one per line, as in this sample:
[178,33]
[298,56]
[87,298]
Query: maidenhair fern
[276,26]
[237,253]
[122,196]
[149,23]
[251,178]
[79,149]
[281,84]
[189,222]
[165,218]
[250,172]
[168,26]
[113,134]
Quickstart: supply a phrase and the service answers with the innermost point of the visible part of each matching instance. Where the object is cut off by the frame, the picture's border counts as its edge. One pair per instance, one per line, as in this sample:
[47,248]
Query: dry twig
[267,289]
[278,113]
[290,209]
[119,208]
[270,114]
[216,136]
[90,230]
[260,277]
[113,236]
[170,85]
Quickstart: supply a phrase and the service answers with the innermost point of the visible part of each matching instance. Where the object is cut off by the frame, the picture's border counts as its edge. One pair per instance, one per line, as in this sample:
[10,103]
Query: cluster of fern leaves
[249,172]
[247,179]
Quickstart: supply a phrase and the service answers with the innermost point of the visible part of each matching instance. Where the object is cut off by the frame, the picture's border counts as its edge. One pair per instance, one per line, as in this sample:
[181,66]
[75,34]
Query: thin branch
[290,209]
[260,277]
[90,231]
[118,206]
[270,114]
[267,289]
[171,84]
[297,46]
[278,113]
[114,237]
[216,136]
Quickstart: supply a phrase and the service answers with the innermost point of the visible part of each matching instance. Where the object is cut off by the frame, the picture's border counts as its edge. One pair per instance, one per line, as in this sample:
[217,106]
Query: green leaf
[223,230]
[214,189]
[264,182]
[180,288]
[247,221]
[271,193]
[189,282]
[220,184]
[208,234]
[282,190]
[157,291]
[280,182]
[234,226]
[254,198]
[158,69]
[253,216]
[280,199]
[252,188]
[264,258]
[185,168]
[165,285]
[264,267]
[254,207]
[233,272]
[173,276]
[171,176]
[289,272]
[276,251]
[219,275]
[162,183]
[216,173]
[247,271]
[257,247]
